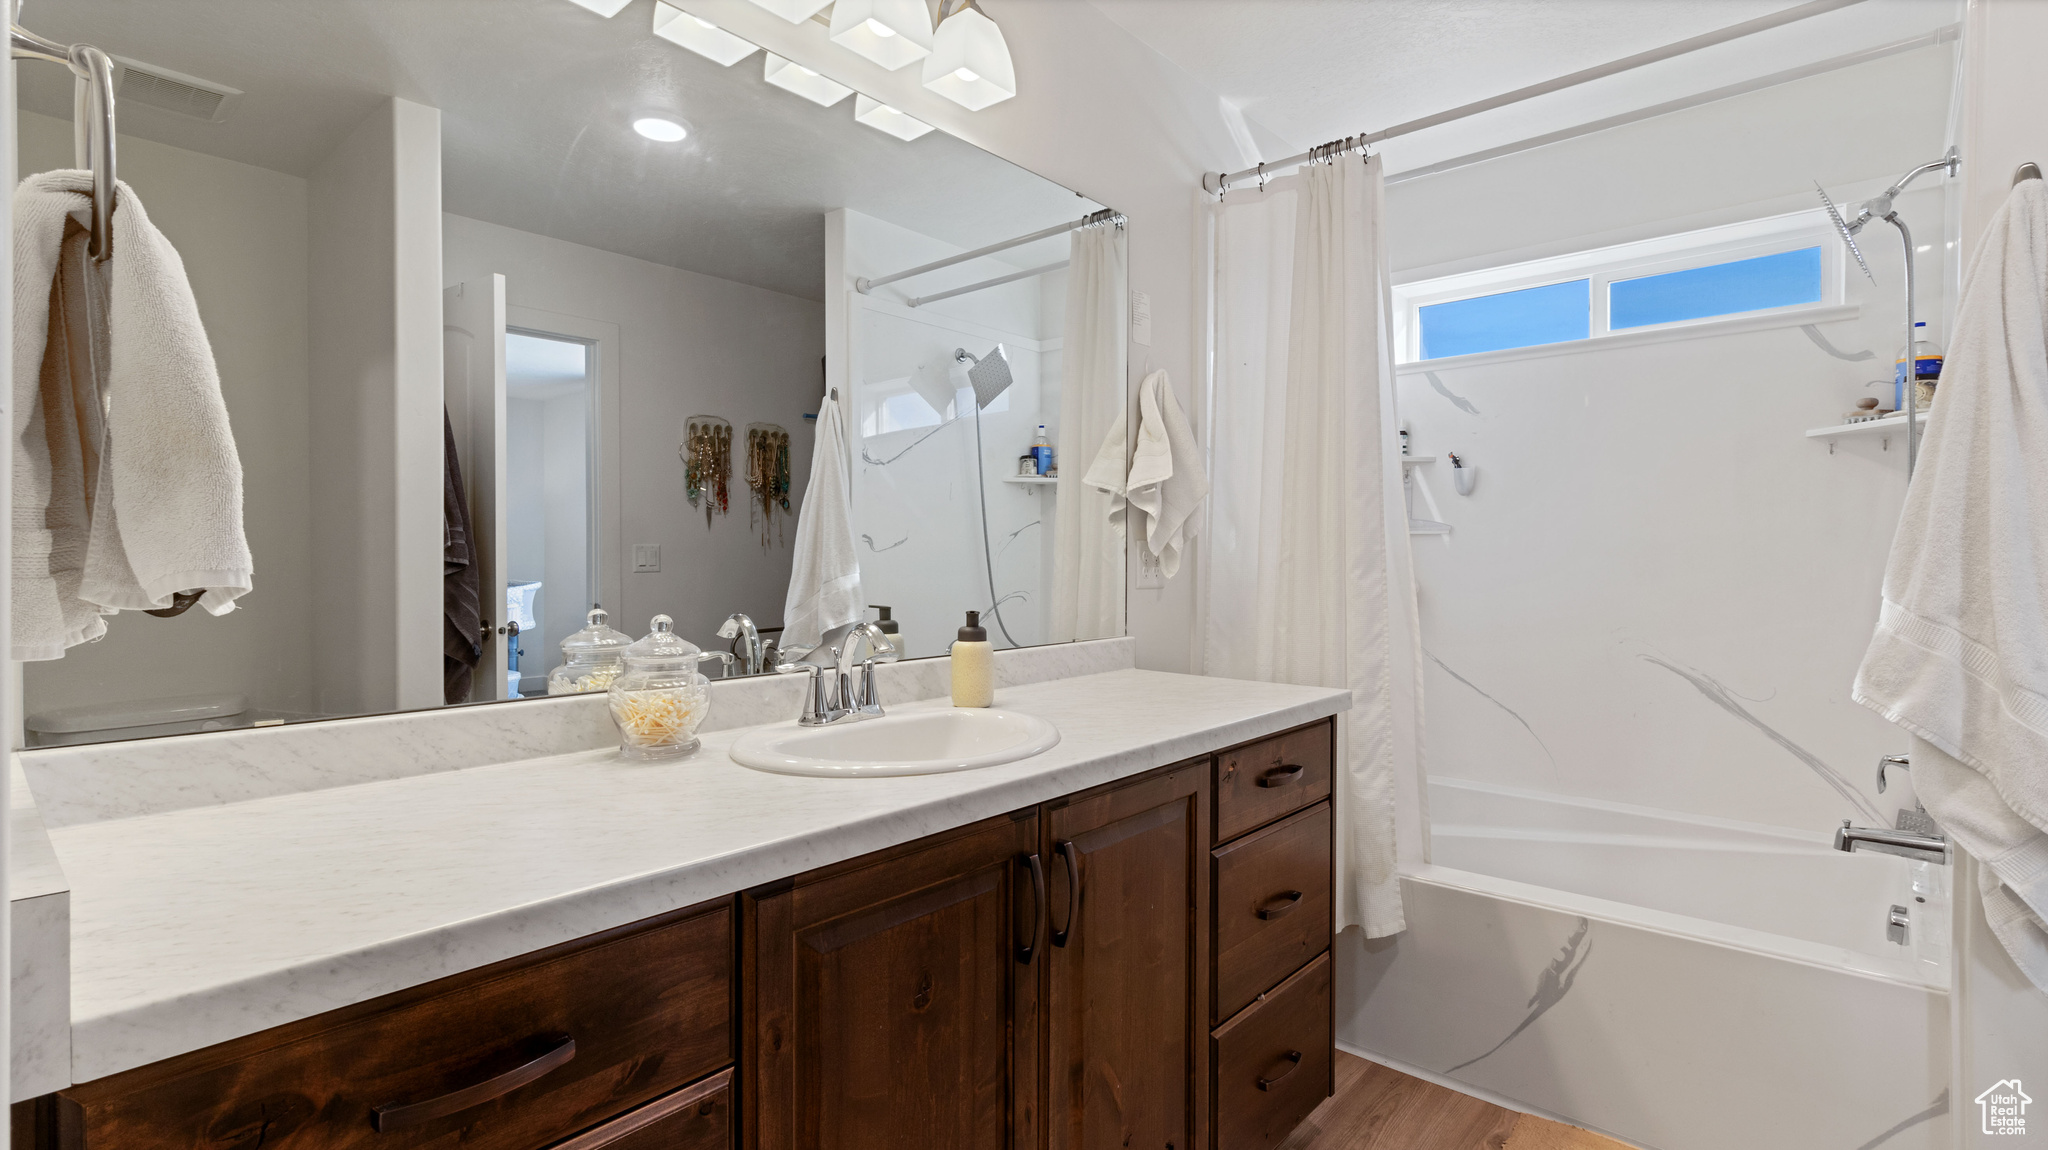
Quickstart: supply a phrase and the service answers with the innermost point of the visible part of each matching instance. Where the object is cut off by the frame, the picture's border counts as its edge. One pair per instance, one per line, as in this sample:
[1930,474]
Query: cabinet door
[1127,871]
[892,1001]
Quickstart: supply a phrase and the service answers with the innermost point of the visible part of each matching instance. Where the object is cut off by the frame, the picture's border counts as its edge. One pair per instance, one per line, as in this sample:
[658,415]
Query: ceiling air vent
[140,83]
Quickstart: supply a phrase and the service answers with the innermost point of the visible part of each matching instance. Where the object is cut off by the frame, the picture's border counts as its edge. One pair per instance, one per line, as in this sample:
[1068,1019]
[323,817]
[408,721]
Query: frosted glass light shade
[970,61]
[700,36]
[875,114]
[793,77]
[794,11]
[604,8]
[892,33]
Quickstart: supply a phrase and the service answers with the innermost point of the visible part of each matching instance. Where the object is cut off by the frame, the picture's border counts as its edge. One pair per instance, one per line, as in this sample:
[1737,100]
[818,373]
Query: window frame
[1601,267]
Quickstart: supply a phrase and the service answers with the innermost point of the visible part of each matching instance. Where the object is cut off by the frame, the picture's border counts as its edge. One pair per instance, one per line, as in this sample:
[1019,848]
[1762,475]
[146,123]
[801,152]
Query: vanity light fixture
[970,61]
[794,77]
[876,114]
[794,11]
[660,130]
[892,33]
[604,8]
[700,35]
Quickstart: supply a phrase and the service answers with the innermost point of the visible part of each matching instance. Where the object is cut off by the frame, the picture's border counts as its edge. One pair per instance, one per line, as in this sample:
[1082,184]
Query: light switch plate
[646,557]
[1150,577]
[1141,318]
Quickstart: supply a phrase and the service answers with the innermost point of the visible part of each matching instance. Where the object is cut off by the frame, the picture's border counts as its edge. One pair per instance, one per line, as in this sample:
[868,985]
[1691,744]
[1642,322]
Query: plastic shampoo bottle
[974,665]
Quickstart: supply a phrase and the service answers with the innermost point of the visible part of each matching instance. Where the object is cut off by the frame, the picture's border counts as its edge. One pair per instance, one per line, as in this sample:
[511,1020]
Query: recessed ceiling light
[794,11]
[892,33]
[970,62]
[803,81]
[875,114]
[604,8]
[700,35]
[656,128]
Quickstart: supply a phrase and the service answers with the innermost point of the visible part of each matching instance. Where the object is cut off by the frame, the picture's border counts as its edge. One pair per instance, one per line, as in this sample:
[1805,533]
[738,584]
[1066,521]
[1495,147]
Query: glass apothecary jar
[591,658]
[660,698]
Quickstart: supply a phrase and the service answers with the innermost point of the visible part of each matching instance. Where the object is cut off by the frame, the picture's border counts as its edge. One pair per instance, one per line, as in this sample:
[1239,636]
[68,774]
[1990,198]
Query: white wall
[376,457]
[1099,112]
[690,344]
[1650,520]
[241,231]
[918,519]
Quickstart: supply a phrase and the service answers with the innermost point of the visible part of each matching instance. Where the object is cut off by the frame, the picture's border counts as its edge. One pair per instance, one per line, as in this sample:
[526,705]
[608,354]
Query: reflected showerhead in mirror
[1848,233]
[989,374]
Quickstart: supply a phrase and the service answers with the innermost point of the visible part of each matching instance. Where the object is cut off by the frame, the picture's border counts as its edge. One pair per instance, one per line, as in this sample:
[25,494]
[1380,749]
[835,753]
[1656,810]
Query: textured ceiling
[1317,70]
[536,97]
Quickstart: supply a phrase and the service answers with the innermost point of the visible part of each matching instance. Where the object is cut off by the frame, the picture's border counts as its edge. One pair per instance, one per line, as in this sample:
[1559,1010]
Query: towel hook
[92,122]
[2027,171]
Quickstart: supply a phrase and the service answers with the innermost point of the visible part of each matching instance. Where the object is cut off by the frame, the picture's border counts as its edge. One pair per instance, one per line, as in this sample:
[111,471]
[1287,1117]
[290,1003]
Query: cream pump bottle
[974,665]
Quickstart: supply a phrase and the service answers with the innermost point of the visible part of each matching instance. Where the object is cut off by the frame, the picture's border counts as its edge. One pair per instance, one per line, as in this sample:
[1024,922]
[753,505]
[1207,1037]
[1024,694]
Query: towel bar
[92,122]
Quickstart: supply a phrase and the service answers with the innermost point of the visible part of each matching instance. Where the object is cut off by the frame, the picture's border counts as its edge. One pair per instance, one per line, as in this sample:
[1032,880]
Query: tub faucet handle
[1903,762]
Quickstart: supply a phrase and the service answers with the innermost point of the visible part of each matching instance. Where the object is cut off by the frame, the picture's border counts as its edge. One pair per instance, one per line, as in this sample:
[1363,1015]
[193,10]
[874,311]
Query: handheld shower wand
[1883,207]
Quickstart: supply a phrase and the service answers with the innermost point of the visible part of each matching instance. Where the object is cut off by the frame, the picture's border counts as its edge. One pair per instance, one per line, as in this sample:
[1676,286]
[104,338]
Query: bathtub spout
[1906,844]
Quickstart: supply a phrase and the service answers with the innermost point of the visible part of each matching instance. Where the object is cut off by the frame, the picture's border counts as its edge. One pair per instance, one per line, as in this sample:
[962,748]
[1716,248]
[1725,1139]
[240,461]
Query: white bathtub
[1679,982]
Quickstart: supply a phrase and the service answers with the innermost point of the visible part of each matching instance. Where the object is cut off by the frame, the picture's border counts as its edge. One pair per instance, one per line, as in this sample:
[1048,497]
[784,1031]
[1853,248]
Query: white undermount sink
[910,743]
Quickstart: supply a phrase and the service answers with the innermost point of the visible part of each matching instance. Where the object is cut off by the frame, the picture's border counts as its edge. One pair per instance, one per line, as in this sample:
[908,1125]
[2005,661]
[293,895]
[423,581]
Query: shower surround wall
[1639,637]
[917,511]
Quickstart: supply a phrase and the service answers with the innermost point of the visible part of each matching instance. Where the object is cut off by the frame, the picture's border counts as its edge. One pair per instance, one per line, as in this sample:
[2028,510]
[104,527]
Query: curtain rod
[1216,182]
[1106,215]
[1013,277]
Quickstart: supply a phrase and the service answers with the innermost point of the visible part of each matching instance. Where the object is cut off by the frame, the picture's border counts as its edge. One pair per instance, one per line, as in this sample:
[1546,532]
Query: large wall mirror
[520,310]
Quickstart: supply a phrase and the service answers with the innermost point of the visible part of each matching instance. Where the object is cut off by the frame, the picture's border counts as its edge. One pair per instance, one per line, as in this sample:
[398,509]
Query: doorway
[550,497]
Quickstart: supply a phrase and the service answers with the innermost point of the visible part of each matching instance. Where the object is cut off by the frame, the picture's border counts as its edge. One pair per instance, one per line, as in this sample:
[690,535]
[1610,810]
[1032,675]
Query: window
[1553,313]
[1755,284]
[1787,264]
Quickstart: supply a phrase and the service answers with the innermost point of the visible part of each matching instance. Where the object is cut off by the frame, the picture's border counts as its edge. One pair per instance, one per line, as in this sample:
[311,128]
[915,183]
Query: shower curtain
[1306,575]
[1086,599]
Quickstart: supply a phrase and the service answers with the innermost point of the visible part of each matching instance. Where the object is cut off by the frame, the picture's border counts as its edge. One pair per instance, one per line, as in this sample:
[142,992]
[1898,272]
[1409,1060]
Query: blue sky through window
[1782,280]
[1552,313]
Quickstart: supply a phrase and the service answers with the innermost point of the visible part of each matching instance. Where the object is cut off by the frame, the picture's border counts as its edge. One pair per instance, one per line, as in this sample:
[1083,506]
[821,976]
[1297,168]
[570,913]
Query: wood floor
[1380,1109]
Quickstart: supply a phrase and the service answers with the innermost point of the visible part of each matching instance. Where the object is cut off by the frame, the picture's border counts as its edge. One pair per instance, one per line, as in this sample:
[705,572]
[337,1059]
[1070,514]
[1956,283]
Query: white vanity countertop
[190,927]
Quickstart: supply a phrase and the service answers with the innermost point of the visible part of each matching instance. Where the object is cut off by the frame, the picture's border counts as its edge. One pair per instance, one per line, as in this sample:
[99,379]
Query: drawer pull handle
[1293,1060]
[1281,776]
[1072,857]
[1278,905]
[560,1048]
[1038,910]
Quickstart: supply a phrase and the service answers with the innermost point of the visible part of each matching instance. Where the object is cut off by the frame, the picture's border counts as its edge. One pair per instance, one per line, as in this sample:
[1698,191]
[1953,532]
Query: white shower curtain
[1086,600]
[1306,577]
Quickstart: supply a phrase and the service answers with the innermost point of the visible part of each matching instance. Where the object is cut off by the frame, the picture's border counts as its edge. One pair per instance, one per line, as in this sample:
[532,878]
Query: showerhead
[1848,233]
[990,374]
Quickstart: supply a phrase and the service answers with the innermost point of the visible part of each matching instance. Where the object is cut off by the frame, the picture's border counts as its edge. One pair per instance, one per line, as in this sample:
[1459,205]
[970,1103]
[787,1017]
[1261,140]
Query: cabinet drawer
[1272,906]
[1262,781]
[1272,1063]
[694,1118]
[483,1059]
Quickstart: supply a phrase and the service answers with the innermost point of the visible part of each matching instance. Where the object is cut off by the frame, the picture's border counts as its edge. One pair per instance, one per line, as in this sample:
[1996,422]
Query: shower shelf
[1408,459]
[1032,480]
[1865,430]
[1428,527]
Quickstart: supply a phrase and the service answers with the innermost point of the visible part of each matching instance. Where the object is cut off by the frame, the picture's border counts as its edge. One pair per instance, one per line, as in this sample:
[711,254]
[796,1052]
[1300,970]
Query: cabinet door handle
[1278,905]
[1293,1060]
[1038,911]
[560,1048]
[1280,776]
[1060,935]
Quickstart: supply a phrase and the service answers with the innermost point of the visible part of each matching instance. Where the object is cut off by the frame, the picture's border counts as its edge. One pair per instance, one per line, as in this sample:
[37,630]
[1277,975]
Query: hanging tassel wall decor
[706,452]
[768,476]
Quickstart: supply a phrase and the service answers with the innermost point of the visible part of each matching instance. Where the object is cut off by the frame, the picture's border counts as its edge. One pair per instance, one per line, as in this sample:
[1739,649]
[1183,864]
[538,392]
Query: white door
[473,350]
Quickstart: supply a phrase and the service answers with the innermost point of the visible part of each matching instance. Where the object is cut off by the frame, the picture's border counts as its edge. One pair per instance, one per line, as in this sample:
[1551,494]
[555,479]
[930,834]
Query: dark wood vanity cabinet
[1140,966]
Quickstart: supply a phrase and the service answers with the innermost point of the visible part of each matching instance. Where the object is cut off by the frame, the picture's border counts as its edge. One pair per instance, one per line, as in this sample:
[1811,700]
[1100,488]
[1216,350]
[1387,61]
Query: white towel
[1167,480]
[1960,657]
[165,501]
[824,576]
[1109,473]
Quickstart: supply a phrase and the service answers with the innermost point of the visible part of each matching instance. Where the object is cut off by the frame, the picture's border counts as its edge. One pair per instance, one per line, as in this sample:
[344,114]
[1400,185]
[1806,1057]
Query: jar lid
[596,638]
[661,647]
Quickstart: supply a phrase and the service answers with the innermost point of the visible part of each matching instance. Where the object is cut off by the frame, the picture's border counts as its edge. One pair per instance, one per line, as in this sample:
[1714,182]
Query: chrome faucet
[749,648]
[1915,837]
[842,698]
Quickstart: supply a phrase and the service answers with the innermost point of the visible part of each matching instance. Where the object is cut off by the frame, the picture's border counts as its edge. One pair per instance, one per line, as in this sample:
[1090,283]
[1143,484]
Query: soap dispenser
[974,665]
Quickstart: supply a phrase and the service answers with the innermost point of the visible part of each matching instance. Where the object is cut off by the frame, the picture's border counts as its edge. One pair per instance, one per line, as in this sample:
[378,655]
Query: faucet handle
[1904,762]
